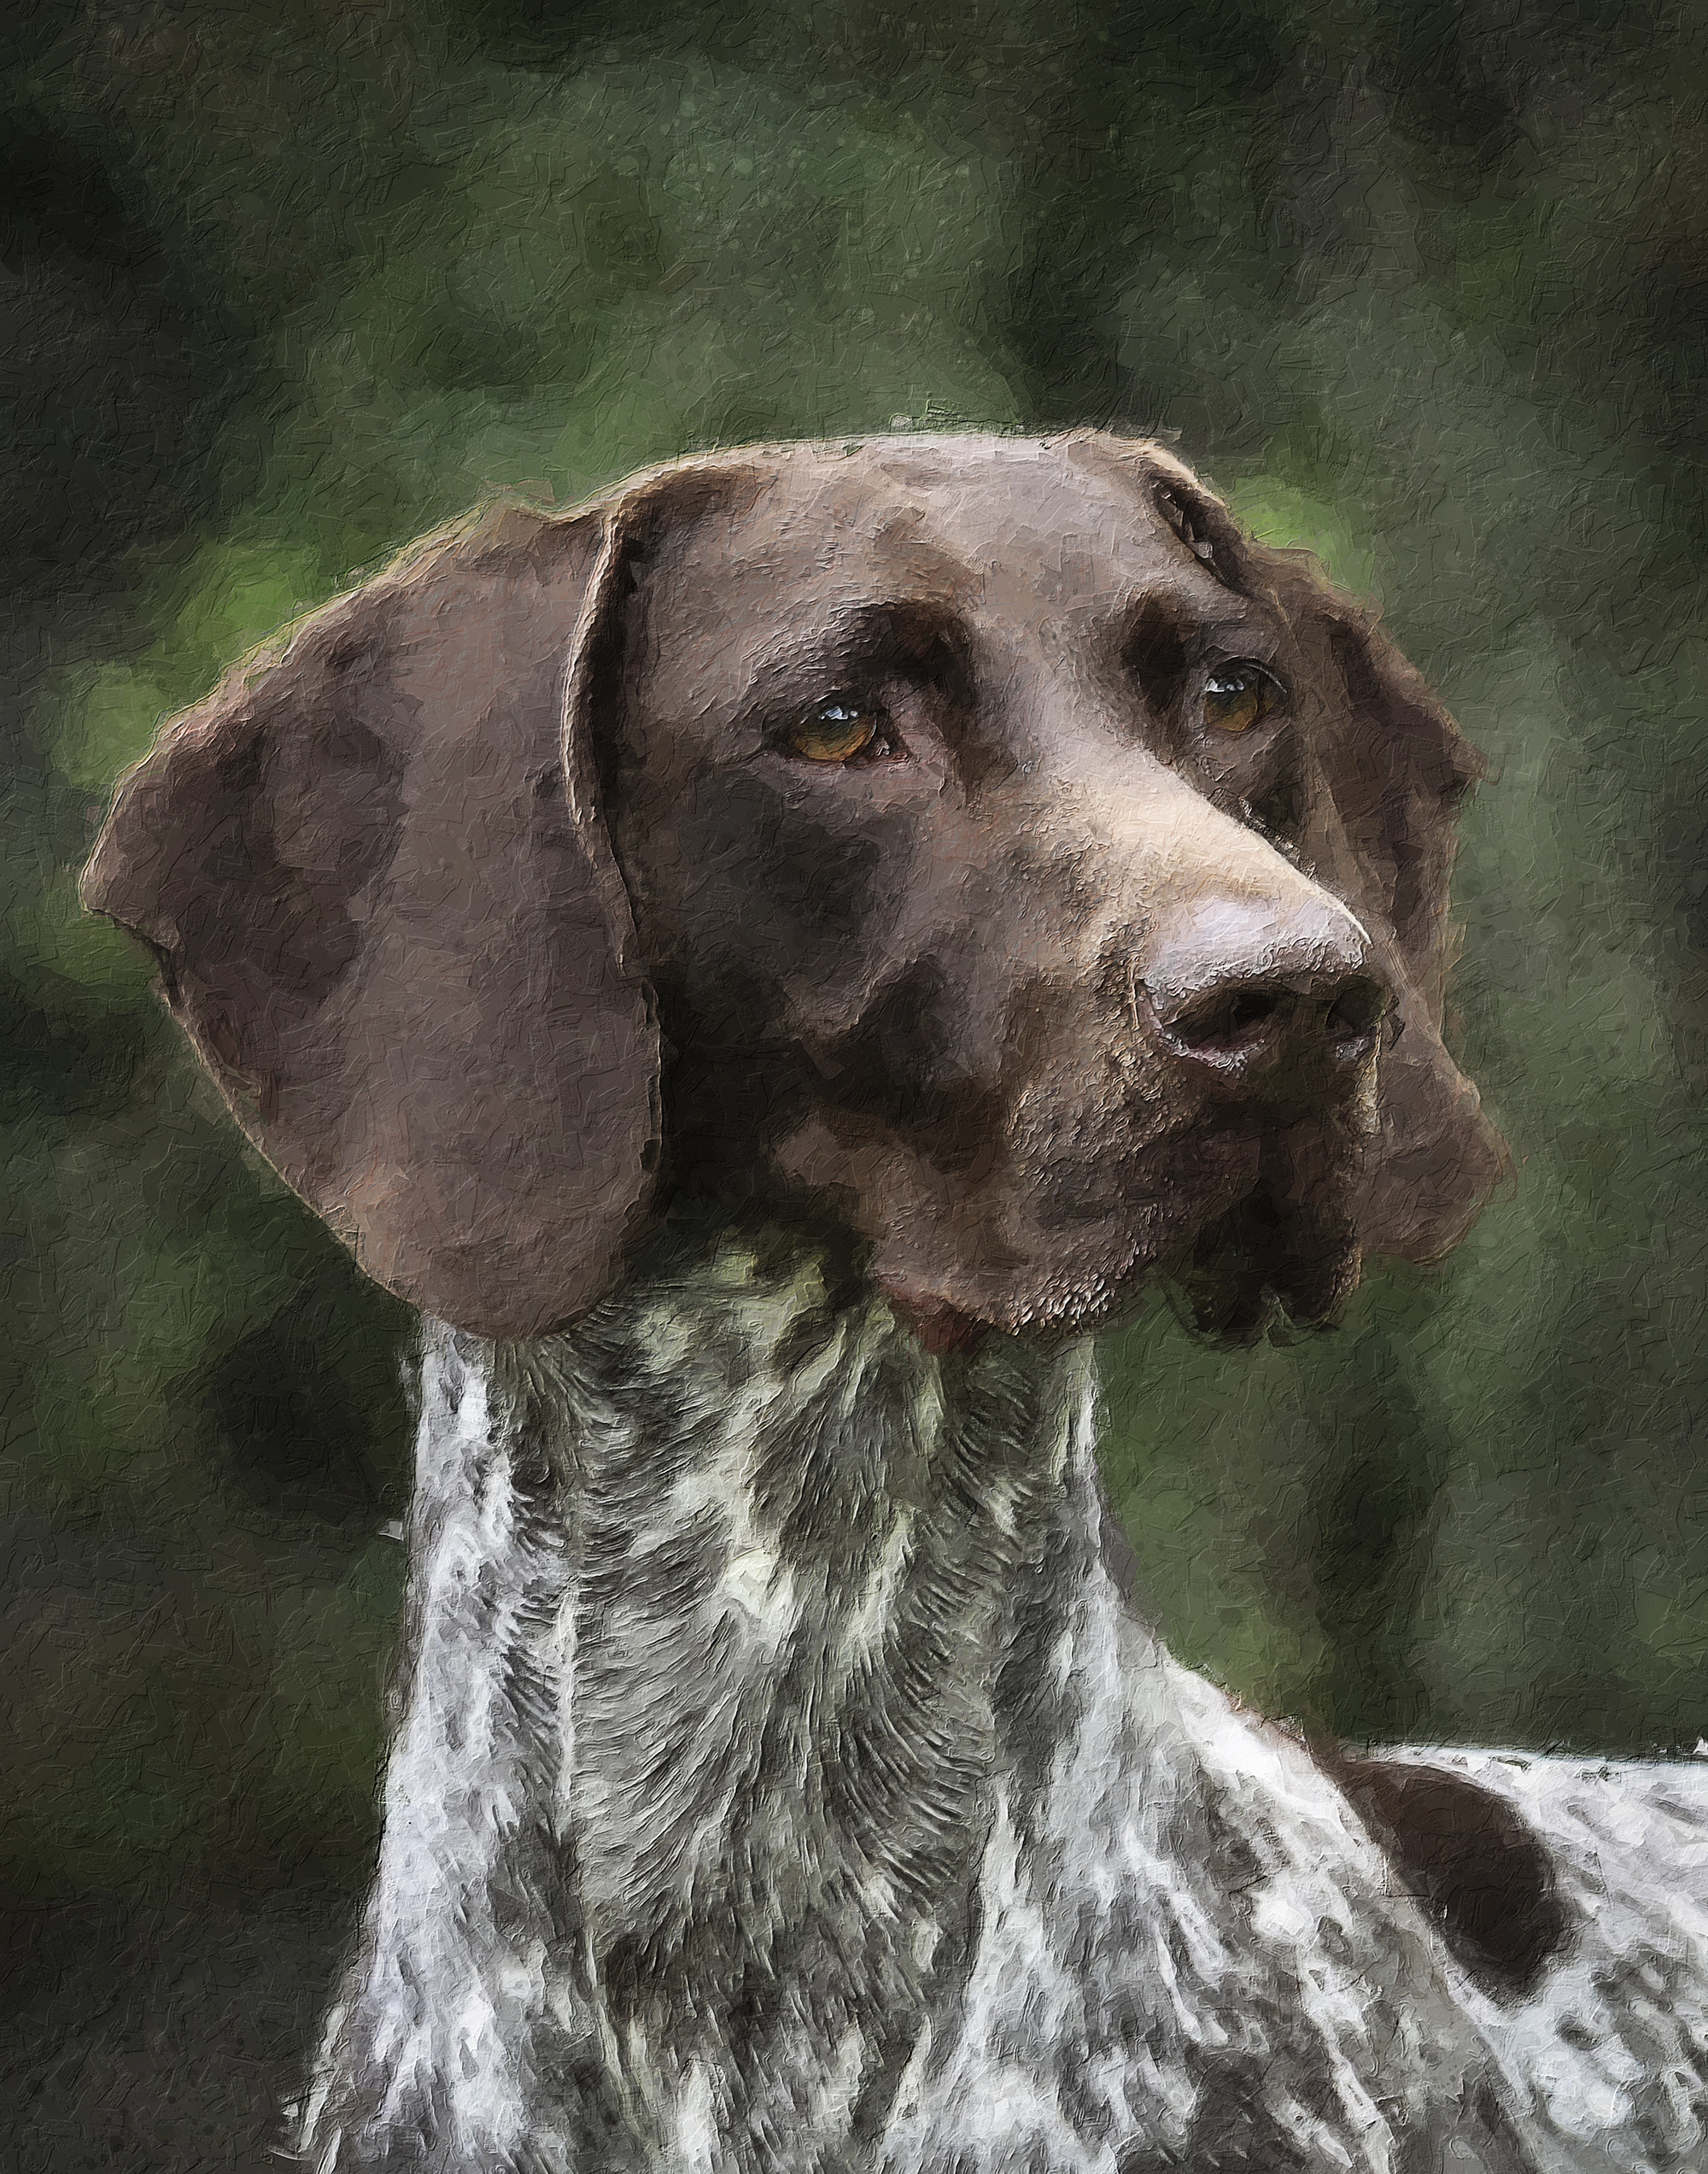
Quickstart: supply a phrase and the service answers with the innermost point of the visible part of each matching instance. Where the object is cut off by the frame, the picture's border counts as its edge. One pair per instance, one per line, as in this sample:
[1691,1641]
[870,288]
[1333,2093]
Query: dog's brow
[1153,614]
[890,634]
[1249,634]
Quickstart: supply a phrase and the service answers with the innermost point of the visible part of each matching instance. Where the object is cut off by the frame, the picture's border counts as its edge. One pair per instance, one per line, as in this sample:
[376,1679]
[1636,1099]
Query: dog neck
[807,1549]
[725,1609]
[773,1742]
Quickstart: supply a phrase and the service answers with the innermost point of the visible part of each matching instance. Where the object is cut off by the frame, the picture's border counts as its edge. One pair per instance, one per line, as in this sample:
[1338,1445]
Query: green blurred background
[1421,286]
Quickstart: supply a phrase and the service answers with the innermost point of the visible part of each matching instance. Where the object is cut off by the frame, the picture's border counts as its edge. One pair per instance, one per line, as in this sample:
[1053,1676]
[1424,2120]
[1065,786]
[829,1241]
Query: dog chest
[780,1784]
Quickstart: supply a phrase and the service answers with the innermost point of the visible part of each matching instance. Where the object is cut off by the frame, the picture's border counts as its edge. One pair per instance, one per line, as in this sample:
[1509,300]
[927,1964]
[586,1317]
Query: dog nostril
[1251,1009]
[1232,1022]
[1243,1027]
[1352,1018]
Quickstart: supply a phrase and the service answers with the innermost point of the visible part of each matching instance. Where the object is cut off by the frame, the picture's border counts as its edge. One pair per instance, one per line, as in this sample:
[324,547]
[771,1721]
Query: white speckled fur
[782,1785]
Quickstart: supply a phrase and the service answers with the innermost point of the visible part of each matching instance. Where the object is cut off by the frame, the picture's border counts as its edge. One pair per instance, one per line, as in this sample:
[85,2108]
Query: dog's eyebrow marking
[1253,635]
[896,636]
[1199,620]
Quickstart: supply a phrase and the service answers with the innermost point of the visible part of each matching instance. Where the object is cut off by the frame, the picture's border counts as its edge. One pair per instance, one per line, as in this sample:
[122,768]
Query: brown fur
[428,881]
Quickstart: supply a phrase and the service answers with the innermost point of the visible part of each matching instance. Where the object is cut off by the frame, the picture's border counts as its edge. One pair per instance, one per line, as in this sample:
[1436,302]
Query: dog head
[974,843]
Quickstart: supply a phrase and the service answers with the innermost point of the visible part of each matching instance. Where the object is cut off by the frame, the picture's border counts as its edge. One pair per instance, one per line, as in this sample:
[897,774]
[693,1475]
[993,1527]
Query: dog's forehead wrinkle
[843,626]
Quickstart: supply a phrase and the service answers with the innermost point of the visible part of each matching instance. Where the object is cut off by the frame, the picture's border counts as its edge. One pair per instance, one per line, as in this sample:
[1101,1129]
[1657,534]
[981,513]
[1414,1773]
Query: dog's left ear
[1387,775]
[373,869]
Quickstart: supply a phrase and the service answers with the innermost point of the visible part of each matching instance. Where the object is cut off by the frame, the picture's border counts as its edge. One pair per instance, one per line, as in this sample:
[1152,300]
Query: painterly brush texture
[779,1781]
[1421,289]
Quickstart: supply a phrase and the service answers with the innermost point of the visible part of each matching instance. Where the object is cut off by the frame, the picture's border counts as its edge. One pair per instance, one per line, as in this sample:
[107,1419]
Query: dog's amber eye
[1236,696]
[838,730]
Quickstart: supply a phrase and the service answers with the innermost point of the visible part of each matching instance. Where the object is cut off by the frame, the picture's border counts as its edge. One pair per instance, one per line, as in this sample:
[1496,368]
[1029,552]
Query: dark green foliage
[1421,287]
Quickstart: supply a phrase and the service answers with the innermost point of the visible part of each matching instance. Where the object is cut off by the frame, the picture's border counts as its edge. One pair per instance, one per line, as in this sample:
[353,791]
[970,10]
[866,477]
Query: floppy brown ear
[1389,774]
[373,871]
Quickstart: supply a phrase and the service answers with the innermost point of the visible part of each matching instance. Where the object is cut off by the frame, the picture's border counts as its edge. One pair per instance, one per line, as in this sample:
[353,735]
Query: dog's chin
[1252,1269]
[1249,1232]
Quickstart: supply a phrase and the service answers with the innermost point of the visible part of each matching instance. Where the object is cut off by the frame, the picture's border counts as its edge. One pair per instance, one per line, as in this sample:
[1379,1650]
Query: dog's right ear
[373,869]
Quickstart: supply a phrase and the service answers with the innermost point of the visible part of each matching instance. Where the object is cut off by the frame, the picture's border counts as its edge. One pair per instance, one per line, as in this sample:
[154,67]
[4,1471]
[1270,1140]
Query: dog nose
[1267,1003]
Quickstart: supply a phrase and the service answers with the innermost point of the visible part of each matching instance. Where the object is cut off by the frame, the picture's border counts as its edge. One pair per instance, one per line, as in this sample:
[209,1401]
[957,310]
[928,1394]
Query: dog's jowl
[768,963]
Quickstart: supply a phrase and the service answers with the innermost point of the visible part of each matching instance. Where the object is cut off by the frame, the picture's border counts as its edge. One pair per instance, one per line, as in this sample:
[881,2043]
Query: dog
[768,963]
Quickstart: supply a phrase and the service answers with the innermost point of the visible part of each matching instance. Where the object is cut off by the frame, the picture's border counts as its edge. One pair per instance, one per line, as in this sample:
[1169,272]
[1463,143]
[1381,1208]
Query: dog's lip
[940,1327]
[1045,1314]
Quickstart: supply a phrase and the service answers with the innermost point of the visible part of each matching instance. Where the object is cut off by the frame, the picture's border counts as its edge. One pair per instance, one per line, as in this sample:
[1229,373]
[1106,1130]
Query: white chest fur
[780,1784]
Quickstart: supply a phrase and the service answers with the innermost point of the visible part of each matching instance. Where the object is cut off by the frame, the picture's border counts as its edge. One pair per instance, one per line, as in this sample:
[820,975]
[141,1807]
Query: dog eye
[1236,696]
[839,730]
